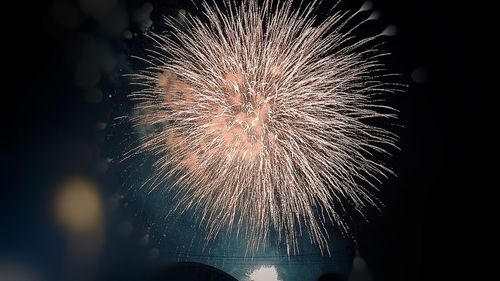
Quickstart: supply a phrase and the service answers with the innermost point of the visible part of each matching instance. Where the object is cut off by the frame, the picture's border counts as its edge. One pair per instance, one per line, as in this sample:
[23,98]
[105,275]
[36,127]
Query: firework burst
[264,118]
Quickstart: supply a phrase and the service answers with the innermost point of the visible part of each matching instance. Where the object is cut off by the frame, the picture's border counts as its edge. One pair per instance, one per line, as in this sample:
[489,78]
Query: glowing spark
[265,273]
[264,118]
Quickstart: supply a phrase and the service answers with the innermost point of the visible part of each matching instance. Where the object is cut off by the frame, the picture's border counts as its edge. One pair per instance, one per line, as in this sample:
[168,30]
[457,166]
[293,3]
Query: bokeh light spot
[78,207]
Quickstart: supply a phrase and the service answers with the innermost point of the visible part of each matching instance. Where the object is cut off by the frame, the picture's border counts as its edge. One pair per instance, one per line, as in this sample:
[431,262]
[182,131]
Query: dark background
[55,125]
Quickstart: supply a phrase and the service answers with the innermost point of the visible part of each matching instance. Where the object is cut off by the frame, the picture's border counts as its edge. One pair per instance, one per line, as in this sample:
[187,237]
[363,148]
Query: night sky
[64,85]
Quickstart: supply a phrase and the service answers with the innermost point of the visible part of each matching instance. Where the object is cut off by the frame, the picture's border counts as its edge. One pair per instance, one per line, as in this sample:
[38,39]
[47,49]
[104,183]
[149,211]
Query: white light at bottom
[264,273]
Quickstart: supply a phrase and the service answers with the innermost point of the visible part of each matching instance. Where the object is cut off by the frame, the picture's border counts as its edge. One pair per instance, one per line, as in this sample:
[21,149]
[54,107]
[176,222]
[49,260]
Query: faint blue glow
[264,273]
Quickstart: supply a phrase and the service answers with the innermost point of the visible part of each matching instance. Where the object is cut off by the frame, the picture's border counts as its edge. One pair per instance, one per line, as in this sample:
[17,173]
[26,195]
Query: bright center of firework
[265,273]
[243,127]
[239,124]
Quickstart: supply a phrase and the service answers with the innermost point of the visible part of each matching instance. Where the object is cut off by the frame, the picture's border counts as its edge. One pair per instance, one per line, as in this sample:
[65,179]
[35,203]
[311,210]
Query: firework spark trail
[263,118]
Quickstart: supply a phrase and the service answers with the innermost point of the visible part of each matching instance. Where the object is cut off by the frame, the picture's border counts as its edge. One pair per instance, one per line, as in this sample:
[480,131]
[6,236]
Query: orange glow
[78,207]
